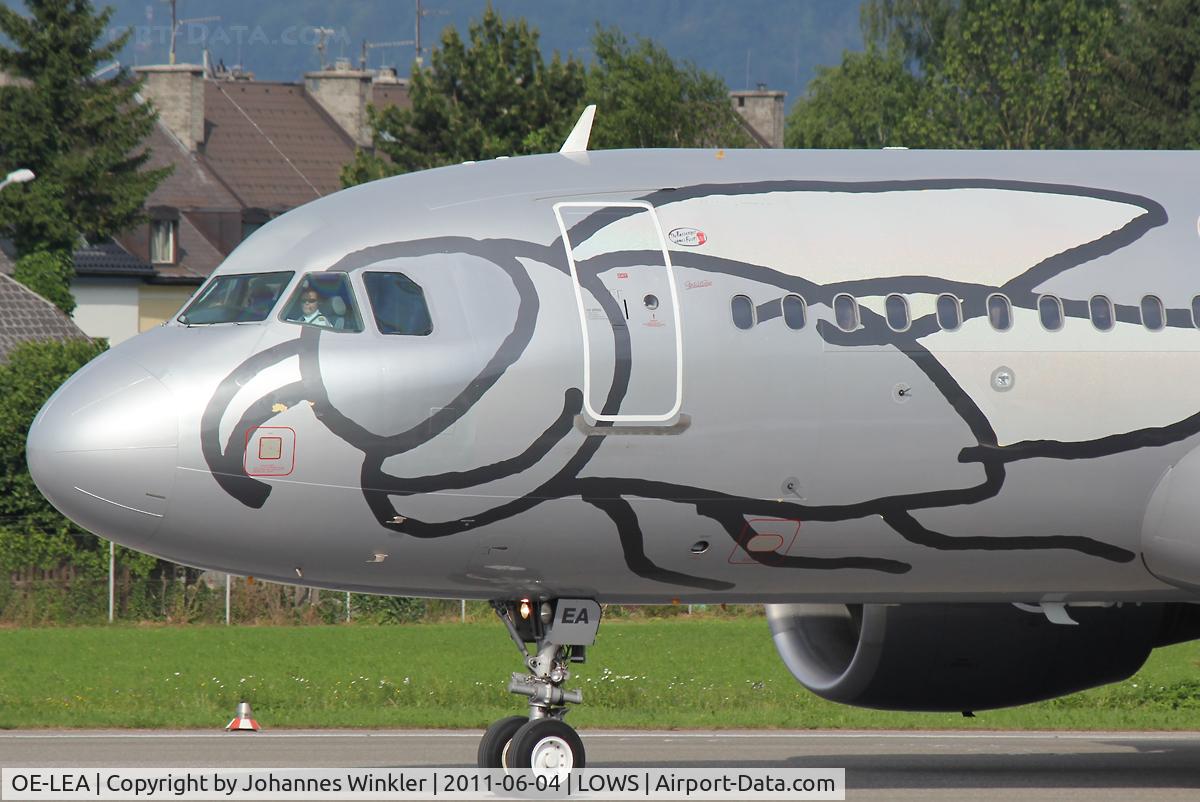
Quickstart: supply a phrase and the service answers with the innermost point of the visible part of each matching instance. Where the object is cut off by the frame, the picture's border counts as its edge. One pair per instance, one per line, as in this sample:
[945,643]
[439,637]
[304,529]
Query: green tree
[49,275]
[869,101]
[966,74]
[80,134]
[645,100]
[1152,91]
[33,533]
[1021,74]
[491,96]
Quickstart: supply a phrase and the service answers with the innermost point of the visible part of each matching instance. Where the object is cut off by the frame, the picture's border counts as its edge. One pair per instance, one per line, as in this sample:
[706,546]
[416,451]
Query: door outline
[587,347]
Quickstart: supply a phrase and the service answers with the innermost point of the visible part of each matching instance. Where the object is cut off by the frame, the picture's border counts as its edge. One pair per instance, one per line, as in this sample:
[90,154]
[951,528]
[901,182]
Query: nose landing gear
[561,630]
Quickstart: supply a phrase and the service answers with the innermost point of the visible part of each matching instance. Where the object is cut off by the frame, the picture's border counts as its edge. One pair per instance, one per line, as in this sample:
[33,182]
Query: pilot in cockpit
[309,310]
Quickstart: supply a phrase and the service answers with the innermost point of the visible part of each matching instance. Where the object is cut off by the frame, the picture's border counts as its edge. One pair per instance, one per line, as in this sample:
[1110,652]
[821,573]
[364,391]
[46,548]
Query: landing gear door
[628,307]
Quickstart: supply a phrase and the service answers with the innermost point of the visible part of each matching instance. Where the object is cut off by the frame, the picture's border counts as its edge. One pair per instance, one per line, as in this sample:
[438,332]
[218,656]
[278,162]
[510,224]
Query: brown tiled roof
[198,257]
[387,94]
[191,185]
[26,316]
[271,144]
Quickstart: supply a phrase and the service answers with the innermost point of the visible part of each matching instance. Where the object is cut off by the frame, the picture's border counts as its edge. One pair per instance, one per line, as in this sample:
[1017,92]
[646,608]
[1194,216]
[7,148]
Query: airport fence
[173,594]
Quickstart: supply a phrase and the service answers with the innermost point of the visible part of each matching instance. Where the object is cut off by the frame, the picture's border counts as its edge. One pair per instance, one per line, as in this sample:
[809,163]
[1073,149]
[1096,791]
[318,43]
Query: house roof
[198,257]
[271,144]
[388,94]
[26,316]
[191,185]
[109,259]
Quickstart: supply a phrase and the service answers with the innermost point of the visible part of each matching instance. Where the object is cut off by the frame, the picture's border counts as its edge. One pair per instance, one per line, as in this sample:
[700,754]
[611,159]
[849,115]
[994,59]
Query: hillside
[746,42]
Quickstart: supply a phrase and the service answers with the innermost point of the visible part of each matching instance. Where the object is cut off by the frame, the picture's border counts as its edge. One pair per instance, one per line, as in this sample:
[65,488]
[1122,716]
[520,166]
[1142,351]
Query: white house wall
[106,307]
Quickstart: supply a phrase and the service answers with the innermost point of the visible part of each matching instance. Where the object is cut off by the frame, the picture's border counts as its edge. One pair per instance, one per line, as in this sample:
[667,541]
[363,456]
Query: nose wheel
[561,630]
[547,744]
[497,740]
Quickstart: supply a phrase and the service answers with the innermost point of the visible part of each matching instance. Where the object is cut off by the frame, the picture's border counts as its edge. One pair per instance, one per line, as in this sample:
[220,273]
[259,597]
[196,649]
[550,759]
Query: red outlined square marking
[270,451]
[270,447]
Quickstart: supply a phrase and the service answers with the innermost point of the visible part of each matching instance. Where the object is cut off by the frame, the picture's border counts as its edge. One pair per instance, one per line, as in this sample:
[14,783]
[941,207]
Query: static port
[699,547]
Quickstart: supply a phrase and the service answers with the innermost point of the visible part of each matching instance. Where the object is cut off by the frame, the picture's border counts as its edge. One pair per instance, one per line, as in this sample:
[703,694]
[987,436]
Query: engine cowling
[960,657]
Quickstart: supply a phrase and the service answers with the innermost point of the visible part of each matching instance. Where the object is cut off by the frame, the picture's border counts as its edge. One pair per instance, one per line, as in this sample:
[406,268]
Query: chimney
[177,91]
[343,92]
[762,109]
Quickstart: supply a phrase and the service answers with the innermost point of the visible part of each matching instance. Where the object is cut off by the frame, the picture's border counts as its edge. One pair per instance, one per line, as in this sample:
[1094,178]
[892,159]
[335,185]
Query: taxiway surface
[879,765]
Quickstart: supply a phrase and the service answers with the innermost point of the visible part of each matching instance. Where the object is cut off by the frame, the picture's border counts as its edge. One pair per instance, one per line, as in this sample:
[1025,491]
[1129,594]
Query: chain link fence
[173,594]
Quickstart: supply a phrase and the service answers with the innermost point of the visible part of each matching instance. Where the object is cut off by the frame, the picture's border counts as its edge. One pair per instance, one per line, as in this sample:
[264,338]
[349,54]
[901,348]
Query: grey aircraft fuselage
[636,388]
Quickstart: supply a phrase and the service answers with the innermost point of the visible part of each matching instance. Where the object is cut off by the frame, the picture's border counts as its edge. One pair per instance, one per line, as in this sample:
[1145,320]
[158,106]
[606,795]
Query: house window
[163,235]
[253,220]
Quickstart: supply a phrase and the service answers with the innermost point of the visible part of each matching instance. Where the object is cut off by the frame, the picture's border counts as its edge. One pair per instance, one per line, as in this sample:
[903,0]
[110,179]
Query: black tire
[538,739]
[497,739]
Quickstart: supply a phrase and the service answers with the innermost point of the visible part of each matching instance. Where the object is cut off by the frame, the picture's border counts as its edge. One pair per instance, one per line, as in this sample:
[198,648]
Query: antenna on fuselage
[577,140]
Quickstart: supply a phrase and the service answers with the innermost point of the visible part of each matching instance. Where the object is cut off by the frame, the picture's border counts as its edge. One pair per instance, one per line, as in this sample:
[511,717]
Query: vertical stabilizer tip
[577,140]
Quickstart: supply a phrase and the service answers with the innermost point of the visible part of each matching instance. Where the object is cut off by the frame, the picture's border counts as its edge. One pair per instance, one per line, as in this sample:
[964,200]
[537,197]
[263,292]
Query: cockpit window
[324,300]
[245,298]
[398,303]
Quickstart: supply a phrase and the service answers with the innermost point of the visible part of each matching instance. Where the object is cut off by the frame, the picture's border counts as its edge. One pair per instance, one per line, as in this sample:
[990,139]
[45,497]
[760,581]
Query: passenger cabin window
[949,312]
[845,310]
[1153,316]
[245,298]
[1196,311]
[742,309]
[1051,312]
[324,300]
[897,312]
[795,311]
[1102,312]
[398,303]
[999,312]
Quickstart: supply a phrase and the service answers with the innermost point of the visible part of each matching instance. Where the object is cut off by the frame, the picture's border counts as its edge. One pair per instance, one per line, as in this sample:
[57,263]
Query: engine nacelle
[959,657]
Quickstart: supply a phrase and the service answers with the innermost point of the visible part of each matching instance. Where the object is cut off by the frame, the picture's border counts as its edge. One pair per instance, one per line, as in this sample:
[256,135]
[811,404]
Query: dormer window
[164,235]
[253,220]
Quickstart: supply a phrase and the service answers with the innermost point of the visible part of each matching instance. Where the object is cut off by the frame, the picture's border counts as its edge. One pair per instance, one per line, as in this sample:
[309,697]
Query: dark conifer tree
[80,128]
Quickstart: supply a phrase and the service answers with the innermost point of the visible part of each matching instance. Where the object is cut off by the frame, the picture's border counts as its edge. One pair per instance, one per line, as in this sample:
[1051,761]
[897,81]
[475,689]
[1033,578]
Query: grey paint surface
[463,457]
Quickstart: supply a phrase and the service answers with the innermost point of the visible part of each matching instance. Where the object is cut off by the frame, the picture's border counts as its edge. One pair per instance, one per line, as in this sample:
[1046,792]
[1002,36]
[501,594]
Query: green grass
[701,673]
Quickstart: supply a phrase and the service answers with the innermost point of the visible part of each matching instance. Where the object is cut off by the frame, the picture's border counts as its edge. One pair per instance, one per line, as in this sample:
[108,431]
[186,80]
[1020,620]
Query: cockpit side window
[398,303]
[245,298]
[325,300]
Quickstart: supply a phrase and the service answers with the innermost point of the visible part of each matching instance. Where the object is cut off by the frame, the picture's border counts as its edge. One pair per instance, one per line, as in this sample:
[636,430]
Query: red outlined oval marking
[687,236]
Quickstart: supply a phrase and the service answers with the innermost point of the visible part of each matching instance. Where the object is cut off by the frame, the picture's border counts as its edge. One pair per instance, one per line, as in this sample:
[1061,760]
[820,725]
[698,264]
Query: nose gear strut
[560,631]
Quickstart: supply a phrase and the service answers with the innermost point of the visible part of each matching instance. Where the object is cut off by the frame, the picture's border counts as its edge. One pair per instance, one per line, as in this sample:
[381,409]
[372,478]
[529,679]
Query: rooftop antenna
[176,24]
[102,71]
[366,46]
[323,35]
[423,12]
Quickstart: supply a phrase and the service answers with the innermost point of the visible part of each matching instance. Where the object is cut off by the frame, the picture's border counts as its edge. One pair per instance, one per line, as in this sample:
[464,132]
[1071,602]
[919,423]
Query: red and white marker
[243,720]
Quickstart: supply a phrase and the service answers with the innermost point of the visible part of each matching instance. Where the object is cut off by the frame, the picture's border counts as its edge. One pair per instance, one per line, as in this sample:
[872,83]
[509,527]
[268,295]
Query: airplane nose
[103,450]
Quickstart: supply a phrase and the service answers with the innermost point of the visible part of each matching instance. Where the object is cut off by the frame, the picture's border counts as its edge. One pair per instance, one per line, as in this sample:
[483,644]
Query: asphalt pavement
[1094,766]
